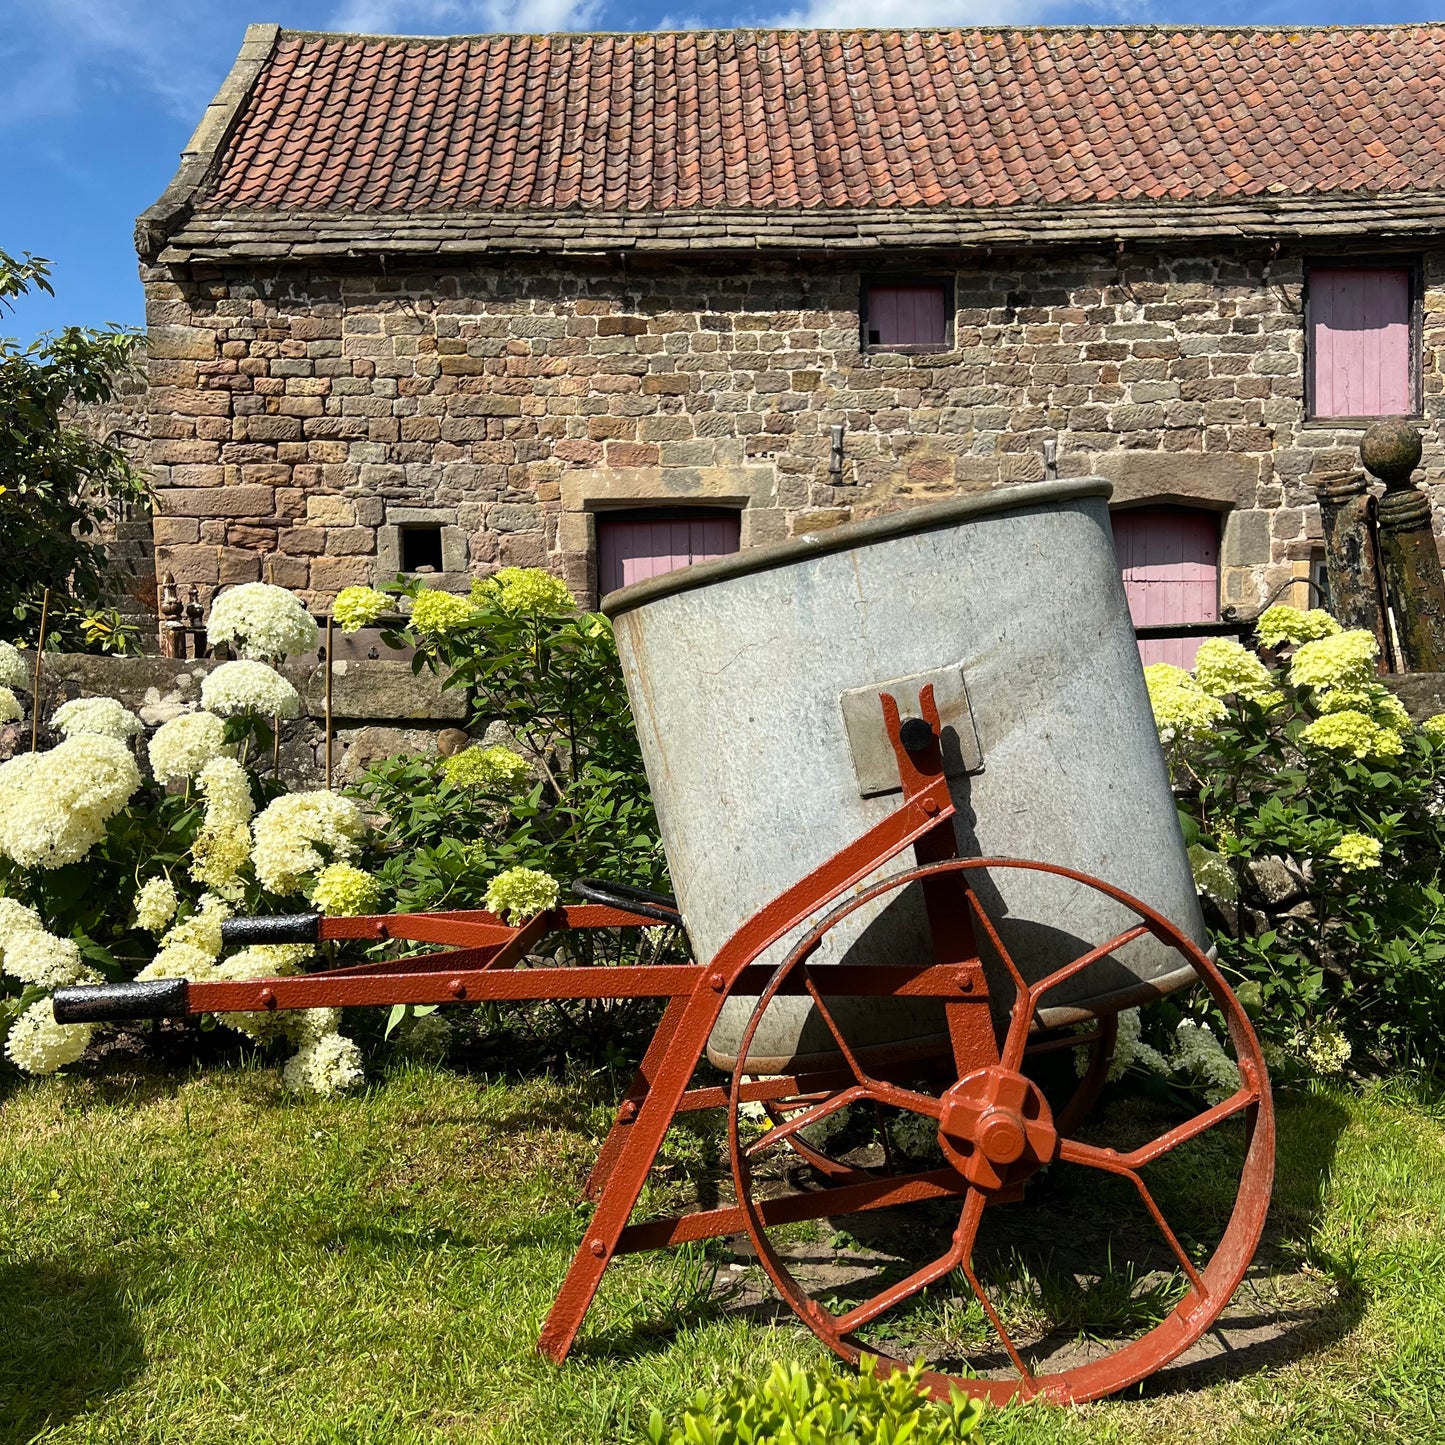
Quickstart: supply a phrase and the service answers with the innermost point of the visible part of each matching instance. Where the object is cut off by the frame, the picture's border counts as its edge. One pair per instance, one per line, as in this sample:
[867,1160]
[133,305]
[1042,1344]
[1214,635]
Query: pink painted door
[1170,560]
[1360,341]
[633,546]
[906,316]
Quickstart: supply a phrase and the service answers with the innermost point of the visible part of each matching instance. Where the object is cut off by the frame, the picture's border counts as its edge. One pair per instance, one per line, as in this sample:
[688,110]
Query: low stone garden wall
[379,707]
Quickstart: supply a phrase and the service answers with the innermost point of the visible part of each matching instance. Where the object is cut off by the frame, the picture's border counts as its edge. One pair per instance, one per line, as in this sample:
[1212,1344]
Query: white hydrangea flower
[103,716]
[183,746]
[1197,1052]
[263,960]
[306,1025]
[293,830]
[179,960]
[1129,1049]
[237,687]
[39,1045]
[16,918]
[41,959]
[328,1066]
[13,669]
[226,786]
[202,929]
[54,806]
[156,904]
[261,622]
[10,709]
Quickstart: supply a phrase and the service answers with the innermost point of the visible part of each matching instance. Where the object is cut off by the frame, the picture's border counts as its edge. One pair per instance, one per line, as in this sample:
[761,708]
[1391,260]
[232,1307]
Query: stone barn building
[610,303]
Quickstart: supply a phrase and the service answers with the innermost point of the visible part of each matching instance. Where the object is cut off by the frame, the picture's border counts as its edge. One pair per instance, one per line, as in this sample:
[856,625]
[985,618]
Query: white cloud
[904,14]
[66,49]
[453,17]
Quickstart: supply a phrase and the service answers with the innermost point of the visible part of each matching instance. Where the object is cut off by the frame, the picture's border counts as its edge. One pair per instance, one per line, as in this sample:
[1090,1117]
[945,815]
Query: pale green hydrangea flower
[343,890]
[440,614]
[261,622]
[179,960]
[39,1045]
[103,716]
[1198,1053]
[1434,727]
[358,607]
[1324,1049]
[1357,852]
[237,687]
[10,709]
[1223,667]
[1352,732]
[183,746]
[1374,700]
[1212,873]
[13,669]
[1181,706]
[156,904]
[524,589]
[518,894]
[1280,625]
[491,770]
[1344,659]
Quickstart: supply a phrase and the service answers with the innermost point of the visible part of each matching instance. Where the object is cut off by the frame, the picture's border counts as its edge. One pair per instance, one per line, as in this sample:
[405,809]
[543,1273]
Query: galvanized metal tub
[740,671]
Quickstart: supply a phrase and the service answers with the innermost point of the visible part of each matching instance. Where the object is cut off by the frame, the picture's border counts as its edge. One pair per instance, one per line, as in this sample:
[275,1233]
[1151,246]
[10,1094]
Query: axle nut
[1001,1136]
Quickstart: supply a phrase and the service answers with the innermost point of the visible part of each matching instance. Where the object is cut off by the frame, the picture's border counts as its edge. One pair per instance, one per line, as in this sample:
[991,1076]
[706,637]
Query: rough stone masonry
[299,418]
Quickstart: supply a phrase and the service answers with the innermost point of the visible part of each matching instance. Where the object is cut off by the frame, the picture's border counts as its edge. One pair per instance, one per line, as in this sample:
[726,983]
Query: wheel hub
[996,1128]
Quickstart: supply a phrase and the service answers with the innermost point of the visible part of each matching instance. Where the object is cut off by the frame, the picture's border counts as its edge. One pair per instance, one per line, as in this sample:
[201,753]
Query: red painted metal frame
[487,962]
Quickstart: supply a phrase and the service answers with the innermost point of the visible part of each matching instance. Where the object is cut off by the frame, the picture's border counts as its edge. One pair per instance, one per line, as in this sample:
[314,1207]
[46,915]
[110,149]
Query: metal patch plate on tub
[873,757]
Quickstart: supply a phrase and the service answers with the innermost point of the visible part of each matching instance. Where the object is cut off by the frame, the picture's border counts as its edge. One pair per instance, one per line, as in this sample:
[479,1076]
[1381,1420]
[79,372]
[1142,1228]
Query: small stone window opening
[421,549]
[905,314]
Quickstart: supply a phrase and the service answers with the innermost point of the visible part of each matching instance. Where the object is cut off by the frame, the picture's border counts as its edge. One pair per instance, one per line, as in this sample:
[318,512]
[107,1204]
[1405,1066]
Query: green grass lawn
[200,1259]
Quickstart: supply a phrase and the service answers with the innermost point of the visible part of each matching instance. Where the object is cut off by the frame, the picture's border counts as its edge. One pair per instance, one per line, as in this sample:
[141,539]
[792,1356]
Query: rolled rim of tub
[849,535]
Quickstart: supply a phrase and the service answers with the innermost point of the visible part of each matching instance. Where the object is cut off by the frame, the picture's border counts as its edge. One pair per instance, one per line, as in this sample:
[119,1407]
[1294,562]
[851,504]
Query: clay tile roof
[775,120]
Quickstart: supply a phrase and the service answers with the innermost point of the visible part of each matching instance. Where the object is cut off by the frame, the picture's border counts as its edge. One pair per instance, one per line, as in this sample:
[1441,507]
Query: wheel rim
[996,1132]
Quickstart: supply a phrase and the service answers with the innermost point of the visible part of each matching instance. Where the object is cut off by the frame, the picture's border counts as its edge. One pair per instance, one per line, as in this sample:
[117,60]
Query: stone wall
[300,419]
[379,708]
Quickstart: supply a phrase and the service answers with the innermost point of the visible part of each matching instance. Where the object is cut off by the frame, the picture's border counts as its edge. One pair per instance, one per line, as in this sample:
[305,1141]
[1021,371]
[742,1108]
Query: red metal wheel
[1092,1071]
[995,1136]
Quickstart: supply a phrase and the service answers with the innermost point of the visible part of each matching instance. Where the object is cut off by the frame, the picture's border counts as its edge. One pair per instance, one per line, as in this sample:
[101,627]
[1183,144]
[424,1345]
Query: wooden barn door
[1170,560]
[633,546]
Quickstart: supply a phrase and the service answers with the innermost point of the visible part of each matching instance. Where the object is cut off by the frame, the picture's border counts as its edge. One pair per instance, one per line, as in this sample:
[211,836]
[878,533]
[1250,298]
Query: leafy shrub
[57,482]
[823,1406]
[563,794]
[1313,810]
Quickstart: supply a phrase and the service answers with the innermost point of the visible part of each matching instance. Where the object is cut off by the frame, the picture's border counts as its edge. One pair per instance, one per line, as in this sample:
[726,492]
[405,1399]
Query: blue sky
[97,97]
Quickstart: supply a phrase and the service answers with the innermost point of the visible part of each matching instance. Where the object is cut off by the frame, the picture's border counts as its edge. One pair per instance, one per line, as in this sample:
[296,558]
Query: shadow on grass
[66,1342]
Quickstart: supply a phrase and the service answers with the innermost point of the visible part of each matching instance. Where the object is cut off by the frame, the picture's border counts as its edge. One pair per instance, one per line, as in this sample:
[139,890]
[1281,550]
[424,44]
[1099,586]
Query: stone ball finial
[1390,450]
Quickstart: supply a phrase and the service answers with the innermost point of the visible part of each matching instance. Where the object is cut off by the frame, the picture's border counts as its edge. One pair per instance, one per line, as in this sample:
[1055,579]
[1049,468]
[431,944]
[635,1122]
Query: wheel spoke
[981,1295]
[905,1289]
[906,1099]
[1085,960]
[781,1133]
[1073,1151]
[1022,1014]
[1185,1263]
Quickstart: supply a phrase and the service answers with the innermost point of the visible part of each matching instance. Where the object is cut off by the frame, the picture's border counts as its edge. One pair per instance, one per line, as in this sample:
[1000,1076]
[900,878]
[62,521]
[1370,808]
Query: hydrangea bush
[1313,809]
[110,872]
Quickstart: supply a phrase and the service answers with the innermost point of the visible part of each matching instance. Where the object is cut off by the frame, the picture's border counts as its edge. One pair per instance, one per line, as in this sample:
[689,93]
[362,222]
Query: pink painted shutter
[907,315]
[1360,341]
[634,549]
[1170,560]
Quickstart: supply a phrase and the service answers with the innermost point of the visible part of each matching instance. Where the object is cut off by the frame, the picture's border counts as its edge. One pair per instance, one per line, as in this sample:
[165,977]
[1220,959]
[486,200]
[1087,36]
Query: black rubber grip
[158,998]
[278,928]
[661,906]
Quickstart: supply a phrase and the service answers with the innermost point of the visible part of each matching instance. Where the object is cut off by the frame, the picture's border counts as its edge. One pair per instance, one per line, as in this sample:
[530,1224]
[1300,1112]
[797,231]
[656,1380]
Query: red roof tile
[783,120]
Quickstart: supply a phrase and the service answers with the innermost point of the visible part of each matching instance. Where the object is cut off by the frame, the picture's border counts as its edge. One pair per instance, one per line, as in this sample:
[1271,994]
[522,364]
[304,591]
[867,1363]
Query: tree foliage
[57,481]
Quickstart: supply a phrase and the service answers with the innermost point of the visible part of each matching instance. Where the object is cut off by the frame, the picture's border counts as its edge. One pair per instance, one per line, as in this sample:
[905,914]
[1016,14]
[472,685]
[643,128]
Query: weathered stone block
[194,343]
[241,501]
